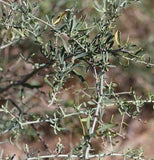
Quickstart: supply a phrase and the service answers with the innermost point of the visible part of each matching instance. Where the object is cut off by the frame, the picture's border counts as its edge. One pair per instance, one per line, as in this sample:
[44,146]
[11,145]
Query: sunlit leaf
[60,17]
[117,38]
[105,127]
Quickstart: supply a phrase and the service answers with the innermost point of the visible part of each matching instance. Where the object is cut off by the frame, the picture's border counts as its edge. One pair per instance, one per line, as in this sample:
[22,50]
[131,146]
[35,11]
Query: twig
[54,29]
[100,95]
[27,77]
[20,124]
[5,3]
[9,44]
[81,156]
[122,122]
[130,59]
[120,50]
[138,61]
[48,121]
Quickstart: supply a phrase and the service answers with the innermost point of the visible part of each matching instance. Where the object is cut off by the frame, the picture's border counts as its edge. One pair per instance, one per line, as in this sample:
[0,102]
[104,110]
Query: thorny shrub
[55,52]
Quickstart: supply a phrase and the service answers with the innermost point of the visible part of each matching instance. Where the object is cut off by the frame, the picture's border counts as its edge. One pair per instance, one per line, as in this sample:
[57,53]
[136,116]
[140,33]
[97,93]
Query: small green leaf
[105,127]
[88,122]
[80,55]
[91,103]
[48,82]
[138,51]
[109,38]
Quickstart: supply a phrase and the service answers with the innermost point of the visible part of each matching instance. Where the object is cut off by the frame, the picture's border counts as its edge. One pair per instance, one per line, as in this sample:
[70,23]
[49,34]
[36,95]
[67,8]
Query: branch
[134,59]
[77,156]
[138,61]
[5,3]
[100,95]
[27,77]
[9,44]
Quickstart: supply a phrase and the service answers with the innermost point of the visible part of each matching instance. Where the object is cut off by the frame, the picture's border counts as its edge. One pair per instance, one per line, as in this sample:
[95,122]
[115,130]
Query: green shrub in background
[68,46]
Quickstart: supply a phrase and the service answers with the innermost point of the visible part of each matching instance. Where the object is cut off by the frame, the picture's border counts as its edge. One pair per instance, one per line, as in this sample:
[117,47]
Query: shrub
[54,53]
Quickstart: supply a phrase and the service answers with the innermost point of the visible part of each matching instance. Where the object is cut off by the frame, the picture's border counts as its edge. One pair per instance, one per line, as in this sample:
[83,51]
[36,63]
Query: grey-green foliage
[74,46]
